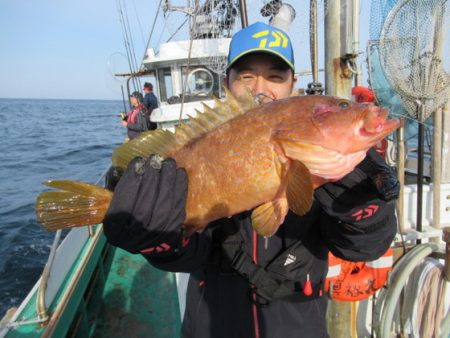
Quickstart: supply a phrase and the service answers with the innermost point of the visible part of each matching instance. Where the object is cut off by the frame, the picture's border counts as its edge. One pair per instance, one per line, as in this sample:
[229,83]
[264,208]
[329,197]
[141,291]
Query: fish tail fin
[164,142]
[74,204]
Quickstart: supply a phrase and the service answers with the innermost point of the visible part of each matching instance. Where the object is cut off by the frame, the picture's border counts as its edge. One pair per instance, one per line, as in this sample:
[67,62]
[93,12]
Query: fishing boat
[89,288]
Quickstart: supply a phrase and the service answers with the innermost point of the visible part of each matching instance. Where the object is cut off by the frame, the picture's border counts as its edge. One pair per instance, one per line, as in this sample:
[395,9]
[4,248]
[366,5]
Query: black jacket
[151,102]
[220,301]
[141,123]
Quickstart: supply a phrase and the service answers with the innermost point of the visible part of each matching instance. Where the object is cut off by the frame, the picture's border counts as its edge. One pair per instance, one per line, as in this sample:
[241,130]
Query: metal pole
[243,9]
[420,155]
[355,46]
[401,177]
[445,177]
[338,79]
[315,87]
[337,83]
[437,168]
[313,40]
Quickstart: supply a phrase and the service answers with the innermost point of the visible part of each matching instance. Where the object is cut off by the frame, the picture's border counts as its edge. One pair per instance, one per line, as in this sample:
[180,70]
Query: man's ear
[294,81]
[225,82]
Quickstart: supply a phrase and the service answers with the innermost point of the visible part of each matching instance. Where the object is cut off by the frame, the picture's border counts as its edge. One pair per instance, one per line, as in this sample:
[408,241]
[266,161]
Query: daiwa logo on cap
[261,37]
[280,39]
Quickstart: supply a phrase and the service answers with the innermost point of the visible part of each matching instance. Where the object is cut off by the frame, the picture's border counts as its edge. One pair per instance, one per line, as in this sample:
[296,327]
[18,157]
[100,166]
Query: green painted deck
[117,295]
[137,300]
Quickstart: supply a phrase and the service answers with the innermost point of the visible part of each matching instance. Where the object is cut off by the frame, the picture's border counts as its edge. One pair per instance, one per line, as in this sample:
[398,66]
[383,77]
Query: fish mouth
[377,124]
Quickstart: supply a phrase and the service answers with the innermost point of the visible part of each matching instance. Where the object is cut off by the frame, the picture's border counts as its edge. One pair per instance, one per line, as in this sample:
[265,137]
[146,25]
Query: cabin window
[201,83]
[165,83]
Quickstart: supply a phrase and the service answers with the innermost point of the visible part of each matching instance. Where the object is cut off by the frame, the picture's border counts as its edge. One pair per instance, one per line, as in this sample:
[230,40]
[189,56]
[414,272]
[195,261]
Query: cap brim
[260,50]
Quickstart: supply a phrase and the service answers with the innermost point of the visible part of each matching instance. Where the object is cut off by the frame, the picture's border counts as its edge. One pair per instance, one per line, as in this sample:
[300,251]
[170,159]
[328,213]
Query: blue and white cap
[261,37]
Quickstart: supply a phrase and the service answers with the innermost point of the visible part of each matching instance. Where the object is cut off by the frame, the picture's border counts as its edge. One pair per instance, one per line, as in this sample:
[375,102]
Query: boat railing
[50,282]
[41,308]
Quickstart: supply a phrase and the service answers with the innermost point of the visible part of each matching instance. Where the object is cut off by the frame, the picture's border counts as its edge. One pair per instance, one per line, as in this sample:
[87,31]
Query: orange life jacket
[353,281]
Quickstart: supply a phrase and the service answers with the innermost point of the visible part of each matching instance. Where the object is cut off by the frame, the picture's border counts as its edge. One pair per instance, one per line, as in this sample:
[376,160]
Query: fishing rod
[123,101]
[125,34]
[133,54]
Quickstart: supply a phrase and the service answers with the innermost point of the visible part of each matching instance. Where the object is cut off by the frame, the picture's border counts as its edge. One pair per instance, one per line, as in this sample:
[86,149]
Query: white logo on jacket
[290,259]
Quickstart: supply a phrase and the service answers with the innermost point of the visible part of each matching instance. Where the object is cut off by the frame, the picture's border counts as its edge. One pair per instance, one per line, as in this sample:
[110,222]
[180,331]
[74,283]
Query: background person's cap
[137,95]
[261,37]
[148,85]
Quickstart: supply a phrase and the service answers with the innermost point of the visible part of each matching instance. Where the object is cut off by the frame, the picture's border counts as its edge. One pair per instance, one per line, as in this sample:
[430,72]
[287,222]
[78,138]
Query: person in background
[150,102]
[362,94]
[242,284]
[137,120]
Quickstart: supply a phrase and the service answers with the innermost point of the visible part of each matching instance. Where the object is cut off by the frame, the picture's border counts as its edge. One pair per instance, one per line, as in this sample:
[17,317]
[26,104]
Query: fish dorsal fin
[157,141]
[269,216]
[164,142]
[299,189]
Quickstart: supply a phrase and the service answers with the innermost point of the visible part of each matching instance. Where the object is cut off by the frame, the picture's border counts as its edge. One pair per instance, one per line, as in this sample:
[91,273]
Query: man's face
[267,76]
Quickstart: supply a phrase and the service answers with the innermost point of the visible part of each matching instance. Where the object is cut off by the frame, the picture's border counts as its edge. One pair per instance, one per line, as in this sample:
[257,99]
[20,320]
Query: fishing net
[412,44]
[384,93]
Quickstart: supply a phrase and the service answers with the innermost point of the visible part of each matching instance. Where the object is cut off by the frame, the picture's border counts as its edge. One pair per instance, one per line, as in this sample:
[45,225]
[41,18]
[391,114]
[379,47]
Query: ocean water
[42,140]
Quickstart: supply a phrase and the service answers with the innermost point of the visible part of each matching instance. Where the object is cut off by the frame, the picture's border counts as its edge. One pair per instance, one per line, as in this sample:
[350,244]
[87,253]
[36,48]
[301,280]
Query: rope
[430,303]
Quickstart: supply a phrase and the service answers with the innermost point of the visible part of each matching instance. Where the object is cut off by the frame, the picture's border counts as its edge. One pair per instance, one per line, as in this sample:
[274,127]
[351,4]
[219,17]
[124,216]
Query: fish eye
[343,104]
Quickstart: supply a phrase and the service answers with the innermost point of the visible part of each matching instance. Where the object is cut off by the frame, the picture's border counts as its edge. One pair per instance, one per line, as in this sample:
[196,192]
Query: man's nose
[259,85]
[261,89]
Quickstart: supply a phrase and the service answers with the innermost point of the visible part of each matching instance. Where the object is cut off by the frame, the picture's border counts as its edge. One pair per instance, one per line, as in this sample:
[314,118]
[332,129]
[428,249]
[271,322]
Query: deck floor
[137,300]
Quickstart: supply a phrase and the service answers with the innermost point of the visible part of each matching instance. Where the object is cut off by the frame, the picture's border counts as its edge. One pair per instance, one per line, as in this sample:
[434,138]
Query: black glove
[112,177]
[360,194]
[148,206]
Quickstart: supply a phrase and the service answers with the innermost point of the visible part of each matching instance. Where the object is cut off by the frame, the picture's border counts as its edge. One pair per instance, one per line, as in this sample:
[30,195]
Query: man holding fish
[259,271]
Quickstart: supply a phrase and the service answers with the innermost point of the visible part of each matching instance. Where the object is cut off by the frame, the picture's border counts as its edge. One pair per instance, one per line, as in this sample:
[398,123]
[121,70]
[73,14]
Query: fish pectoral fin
[269,216]
[299,189]
[302,151]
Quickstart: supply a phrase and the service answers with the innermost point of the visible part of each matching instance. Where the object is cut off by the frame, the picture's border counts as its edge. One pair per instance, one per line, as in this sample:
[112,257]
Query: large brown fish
[238,157]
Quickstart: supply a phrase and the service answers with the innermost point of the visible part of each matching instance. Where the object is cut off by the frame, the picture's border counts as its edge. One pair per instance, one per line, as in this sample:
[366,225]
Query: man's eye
[246,77]
[276,77]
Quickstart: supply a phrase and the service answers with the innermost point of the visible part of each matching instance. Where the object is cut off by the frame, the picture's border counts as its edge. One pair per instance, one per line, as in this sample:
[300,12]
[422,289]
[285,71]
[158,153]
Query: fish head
[348,127]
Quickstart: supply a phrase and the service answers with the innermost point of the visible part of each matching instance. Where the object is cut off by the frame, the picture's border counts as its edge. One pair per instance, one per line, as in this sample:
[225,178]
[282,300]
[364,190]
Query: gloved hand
[148,207]
[359,195]
[112,177]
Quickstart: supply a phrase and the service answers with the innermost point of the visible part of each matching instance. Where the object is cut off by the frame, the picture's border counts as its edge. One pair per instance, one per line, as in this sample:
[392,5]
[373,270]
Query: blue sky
[70,49]
[64,49]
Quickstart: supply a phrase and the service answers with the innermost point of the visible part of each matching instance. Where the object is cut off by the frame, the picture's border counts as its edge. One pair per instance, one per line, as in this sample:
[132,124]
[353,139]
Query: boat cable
[163,29]
[177,30]
[139,22]
[185,77]
[151,31]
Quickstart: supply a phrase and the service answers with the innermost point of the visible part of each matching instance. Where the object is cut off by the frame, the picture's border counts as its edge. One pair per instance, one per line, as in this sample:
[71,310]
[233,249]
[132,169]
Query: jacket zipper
[254,307]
